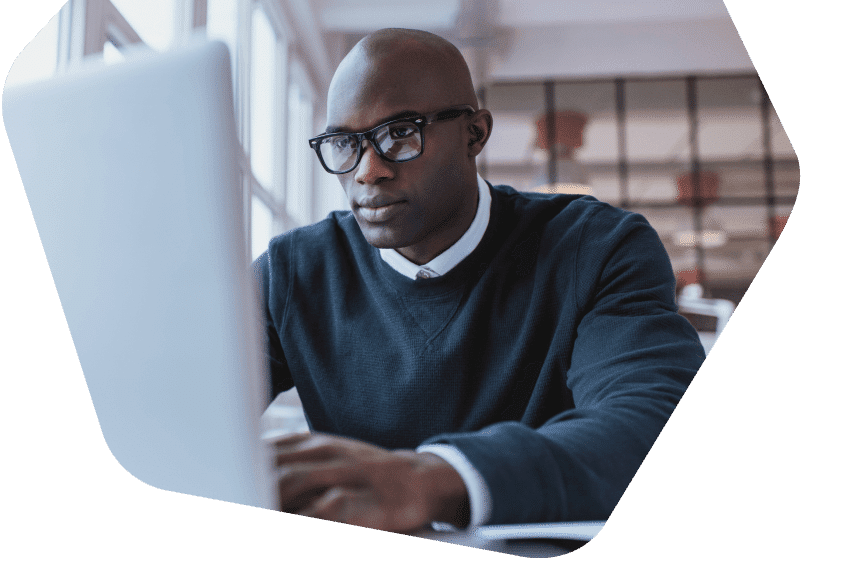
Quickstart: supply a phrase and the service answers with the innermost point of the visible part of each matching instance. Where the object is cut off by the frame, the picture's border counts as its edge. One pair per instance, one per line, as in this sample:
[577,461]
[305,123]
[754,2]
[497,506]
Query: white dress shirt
[480,503]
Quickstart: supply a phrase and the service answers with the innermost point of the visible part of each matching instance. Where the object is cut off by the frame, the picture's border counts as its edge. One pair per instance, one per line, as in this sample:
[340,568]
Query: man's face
[421,206]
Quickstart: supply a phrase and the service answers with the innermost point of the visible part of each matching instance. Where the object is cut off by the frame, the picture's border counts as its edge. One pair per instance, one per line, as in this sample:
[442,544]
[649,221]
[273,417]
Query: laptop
[131,173]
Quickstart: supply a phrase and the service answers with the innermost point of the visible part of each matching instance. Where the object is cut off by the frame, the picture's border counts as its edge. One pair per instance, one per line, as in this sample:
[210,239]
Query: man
[464,353]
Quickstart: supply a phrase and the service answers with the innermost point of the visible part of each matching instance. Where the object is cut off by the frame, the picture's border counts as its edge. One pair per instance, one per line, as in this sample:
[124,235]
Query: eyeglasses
[397,141]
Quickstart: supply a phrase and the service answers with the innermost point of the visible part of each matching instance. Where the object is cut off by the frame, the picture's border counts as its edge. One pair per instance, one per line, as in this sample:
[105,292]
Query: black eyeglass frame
[419,121]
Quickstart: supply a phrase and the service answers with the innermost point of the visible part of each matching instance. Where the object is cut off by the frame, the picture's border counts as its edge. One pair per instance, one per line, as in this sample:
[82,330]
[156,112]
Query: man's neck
[446,260]
[426,252]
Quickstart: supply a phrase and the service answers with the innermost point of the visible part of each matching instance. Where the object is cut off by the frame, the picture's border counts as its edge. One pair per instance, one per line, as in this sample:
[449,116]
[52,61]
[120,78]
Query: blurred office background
[651,105]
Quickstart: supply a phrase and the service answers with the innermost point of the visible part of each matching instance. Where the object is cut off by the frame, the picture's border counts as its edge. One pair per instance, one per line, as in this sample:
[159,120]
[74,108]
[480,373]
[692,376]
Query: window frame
[86,26]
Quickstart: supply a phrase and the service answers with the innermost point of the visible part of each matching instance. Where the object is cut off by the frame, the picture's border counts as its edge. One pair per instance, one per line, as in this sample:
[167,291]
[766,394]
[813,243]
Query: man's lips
[379,210]
[377,202]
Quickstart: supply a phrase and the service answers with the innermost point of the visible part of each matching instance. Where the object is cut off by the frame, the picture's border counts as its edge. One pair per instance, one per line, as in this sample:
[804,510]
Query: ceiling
[360,16]
[533,39]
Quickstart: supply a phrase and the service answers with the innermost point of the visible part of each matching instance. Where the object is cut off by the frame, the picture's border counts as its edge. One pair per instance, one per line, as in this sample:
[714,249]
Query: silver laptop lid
[132,177]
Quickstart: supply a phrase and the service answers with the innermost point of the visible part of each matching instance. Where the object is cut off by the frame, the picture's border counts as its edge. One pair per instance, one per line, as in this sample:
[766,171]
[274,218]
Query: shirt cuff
[480,503]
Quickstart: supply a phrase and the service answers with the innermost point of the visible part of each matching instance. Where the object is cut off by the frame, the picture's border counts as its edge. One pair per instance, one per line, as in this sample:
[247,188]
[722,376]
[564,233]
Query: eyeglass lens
[398,141]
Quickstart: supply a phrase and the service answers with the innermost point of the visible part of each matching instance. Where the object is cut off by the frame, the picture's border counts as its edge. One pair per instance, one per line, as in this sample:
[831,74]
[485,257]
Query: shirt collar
[448,259]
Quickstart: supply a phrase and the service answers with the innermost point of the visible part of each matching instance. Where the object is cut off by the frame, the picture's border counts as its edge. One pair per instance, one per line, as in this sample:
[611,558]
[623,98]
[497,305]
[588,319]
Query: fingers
[276,436]
[349,506]
[335,504]
[297,481]
[296,504]
[345,480]
[308,465]
[362,507]
[307,447]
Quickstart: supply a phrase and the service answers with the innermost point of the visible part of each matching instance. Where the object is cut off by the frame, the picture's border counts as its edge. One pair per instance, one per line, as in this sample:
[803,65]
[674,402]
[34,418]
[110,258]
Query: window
[263,68]
[155,21]
[223,24]
[638,142]
[38,60]
[262,226]
[300,162]
[274,95]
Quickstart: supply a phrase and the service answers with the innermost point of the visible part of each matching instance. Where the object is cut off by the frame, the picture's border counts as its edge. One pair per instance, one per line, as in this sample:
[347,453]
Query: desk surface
[285,416]
[527,540]
[527,548]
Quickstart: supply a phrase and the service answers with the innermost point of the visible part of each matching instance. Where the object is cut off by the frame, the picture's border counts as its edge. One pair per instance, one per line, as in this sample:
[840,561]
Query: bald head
[425,52]
[412,68]
[422,205]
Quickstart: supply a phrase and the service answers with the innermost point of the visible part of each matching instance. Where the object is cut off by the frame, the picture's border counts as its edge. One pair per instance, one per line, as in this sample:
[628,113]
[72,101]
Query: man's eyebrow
[397,116]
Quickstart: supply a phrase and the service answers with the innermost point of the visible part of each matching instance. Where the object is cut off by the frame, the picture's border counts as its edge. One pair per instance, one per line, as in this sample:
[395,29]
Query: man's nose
[372,168]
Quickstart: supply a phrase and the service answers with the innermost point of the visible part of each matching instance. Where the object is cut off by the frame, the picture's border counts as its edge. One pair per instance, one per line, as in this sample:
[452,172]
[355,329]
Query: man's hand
[344,480]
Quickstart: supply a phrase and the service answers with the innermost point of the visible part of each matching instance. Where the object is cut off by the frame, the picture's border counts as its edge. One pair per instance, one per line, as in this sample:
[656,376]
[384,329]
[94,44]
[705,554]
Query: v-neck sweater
[551,356]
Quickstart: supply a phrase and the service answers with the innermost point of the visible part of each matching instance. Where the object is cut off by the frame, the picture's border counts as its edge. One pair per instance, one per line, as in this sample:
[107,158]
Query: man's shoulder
[335,229]
[325,244]
[563,212]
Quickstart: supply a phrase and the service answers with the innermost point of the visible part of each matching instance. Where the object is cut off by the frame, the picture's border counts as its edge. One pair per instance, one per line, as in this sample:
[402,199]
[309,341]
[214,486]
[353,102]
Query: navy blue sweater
[551,356]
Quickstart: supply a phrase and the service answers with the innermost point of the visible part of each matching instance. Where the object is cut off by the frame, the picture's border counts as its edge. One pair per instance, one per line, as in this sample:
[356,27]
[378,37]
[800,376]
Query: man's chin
[381,241]
[383,237]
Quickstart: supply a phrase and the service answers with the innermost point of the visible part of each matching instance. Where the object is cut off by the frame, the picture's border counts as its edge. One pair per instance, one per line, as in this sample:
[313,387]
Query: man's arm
[279,377]
[345,480]
[631,360]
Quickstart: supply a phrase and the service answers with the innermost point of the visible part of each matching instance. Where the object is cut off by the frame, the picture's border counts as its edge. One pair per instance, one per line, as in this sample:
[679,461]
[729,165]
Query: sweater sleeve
[267,285]
[631,360]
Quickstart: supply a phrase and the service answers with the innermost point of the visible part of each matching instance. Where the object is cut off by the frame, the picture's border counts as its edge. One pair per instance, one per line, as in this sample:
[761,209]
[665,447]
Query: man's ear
[480,128]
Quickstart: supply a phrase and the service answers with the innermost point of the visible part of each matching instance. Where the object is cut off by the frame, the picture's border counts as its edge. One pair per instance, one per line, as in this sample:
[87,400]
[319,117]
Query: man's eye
[342,142]
[401,131]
